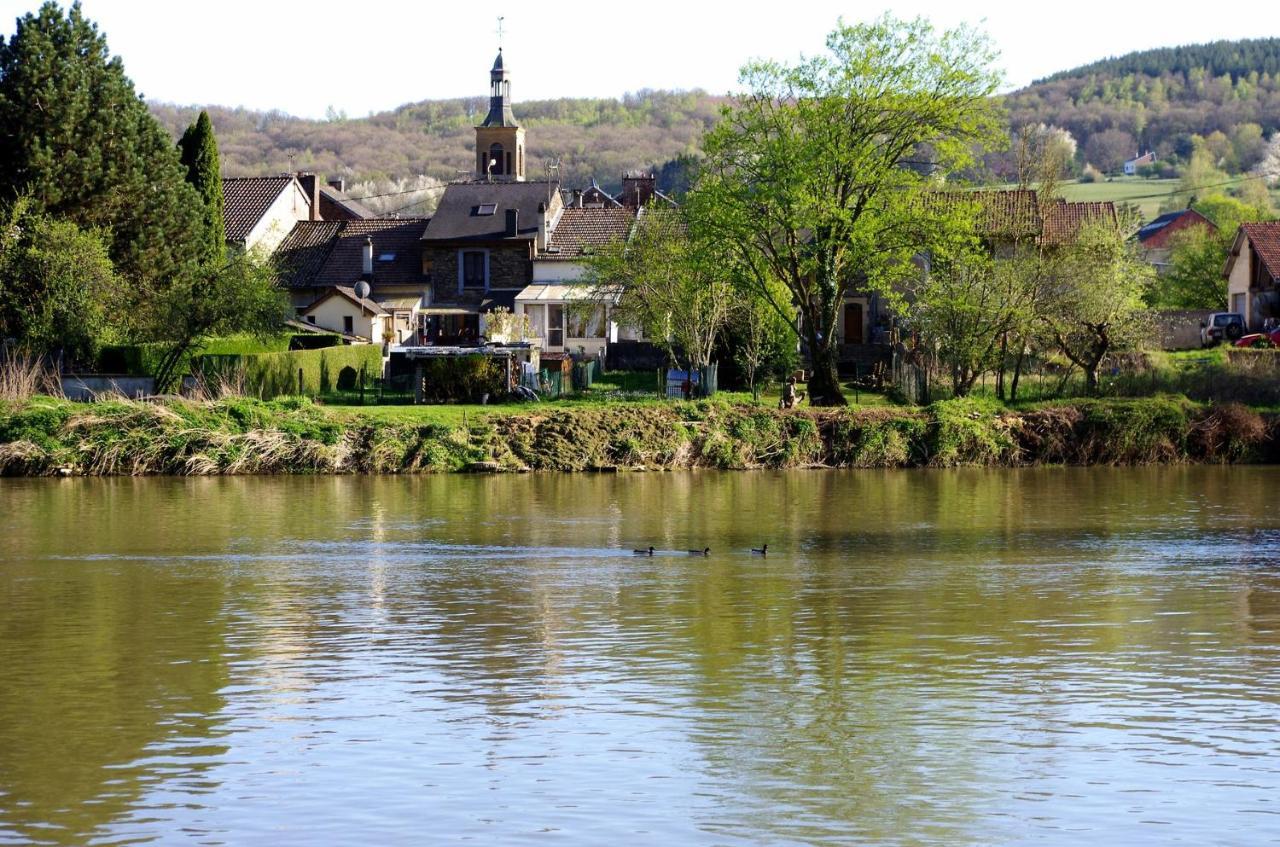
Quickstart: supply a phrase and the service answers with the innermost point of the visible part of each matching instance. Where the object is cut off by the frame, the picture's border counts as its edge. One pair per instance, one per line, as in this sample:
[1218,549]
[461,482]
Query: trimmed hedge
[143,359]
[270,375]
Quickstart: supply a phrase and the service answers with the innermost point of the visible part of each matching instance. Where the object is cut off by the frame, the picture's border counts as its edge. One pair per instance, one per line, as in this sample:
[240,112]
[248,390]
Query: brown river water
[986,657]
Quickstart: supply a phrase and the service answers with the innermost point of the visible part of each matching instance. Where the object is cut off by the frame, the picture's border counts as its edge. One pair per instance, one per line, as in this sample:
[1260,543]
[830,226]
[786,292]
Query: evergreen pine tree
[200,154]
[80,142]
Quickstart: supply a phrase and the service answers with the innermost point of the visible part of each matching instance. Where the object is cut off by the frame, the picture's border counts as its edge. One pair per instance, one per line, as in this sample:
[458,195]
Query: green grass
[616,389]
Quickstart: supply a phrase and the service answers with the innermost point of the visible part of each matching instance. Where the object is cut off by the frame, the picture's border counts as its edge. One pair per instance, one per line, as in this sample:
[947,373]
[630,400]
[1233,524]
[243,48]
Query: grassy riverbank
[240,436]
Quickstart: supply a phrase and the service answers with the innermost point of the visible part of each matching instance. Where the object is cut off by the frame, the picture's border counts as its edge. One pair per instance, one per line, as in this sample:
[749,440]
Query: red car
[1259,339]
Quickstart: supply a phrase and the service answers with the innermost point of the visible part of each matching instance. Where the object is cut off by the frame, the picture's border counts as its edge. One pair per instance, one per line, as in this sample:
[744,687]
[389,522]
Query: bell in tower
[500,140]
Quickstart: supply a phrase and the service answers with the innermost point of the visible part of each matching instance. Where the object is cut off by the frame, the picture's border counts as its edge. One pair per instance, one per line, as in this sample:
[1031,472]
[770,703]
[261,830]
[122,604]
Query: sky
[304,58]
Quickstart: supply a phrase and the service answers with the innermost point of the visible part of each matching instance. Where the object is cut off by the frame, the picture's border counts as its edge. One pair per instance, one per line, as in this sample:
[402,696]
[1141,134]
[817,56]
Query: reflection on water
[966,657]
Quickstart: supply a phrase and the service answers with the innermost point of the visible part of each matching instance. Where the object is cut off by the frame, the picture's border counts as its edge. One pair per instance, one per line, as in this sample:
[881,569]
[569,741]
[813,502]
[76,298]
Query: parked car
[1221,326]
[1259,339]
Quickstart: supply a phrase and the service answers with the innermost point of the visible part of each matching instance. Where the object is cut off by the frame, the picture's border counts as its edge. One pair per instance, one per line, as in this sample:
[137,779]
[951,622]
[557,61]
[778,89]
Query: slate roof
[457,217]
[1004,214]
[1265,238]
[581,232]
[1155,233]
[1062,220]
[246,199]
[326,253]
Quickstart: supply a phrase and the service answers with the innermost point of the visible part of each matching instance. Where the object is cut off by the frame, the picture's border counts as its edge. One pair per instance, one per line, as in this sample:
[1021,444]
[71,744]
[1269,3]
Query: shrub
[1092,174]
[463,378]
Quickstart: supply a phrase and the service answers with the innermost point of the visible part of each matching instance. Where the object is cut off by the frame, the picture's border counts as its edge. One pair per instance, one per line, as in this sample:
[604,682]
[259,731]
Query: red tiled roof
[247,199]
[580,232]
[1062,220]
[1005,214]
[1265,238]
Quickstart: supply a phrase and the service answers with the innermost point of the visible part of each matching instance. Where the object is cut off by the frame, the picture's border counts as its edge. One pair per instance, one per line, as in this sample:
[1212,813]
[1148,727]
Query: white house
[1131,166]
[340,309]
[555,300]
[259,212]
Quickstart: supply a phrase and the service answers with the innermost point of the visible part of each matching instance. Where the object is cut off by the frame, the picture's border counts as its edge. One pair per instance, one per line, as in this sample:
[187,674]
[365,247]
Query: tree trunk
[1004,349]
[824,385]
[1017,372]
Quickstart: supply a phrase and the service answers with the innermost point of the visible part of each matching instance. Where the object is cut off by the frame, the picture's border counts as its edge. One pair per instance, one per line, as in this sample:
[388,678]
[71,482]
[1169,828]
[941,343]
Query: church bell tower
[500,140]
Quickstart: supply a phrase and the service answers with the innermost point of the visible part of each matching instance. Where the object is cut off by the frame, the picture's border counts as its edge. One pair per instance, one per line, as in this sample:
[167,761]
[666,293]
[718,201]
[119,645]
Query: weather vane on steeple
[500,20]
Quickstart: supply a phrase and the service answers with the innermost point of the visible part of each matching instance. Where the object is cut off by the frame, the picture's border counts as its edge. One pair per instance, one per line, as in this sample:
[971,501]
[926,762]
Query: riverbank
[241,436]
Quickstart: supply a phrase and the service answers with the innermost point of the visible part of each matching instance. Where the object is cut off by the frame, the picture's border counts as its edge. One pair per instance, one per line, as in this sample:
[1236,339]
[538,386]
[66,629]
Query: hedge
[274,374]
[143,359]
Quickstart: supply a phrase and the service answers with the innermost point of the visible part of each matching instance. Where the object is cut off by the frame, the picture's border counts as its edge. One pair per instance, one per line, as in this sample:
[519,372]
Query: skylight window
[487,209]
[386,257]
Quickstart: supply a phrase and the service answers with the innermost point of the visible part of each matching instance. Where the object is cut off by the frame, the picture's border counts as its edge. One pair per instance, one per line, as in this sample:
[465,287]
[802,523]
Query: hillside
[1227,93]
[1159,99]
[598,138]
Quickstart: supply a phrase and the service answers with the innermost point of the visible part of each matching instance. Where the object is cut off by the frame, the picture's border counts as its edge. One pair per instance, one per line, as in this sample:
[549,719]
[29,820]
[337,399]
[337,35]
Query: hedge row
[298,372]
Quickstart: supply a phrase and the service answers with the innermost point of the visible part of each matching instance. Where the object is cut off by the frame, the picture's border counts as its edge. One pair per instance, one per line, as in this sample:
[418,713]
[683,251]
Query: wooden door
[853,323]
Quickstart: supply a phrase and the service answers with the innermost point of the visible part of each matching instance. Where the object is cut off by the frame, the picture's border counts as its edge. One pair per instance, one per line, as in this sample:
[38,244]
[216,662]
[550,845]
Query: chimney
[638,189]
[367,264]
[577,198]
[513,222]
[310,187]
[338,184]
[542,226]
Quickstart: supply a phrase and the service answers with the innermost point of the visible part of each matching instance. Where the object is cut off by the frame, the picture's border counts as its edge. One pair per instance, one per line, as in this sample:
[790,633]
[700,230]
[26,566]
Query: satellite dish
[362,290]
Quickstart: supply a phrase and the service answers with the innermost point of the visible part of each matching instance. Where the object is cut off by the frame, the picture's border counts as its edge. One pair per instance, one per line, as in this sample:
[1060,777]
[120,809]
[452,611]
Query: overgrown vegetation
[293,435]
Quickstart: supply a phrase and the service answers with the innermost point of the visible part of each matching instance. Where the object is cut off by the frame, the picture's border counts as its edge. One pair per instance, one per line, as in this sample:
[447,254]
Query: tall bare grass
[23,376]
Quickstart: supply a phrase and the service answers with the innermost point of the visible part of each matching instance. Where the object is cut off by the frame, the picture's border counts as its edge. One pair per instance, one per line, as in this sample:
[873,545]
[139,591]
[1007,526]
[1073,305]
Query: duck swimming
[705,551]
[648,552]
[762,550]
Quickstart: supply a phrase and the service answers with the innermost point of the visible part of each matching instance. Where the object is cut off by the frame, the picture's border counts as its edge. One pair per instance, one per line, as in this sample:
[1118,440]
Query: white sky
[369,56]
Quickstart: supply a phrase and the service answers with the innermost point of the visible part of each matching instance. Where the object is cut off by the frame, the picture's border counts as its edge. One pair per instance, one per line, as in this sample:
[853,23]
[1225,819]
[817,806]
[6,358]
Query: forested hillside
[1223,98]
[598,138]
[1227,93]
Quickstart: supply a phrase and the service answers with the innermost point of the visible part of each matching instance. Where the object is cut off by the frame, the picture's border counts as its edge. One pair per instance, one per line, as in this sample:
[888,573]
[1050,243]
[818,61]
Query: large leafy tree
[79,141]
[815,171]
[199,150]
[56,284]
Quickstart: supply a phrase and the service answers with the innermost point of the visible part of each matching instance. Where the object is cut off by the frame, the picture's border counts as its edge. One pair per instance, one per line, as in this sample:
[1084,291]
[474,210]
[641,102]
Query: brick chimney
[310,187]
[638,189]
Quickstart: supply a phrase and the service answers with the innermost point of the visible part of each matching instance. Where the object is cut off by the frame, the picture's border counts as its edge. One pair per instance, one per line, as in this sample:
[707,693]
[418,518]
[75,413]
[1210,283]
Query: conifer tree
[80,142]
[200,154]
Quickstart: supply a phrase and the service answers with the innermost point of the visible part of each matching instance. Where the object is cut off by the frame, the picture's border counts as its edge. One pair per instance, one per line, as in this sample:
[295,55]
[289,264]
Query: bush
[463,378]
[1092,174]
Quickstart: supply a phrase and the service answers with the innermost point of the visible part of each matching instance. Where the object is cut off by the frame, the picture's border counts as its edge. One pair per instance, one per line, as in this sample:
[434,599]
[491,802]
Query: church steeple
[500,139]
[500,113]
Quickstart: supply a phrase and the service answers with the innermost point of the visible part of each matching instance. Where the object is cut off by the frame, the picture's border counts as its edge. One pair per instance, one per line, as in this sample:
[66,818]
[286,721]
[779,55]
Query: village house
[1156,238]
[560,299]
[1131,166]
[1252,272]
[1006,220]
[495,242]
[259,212]
[319,256]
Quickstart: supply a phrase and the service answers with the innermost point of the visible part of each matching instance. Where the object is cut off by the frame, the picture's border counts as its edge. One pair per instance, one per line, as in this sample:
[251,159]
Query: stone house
[1252,272]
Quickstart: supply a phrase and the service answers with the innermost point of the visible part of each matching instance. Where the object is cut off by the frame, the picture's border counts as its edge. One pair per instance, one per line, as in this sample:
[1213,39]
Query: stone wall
[1179,329]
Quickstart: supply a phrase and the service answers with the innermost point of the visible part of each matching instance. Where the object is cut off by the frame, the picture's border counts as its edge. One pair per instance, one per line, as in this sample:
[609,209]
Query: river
[1049,657]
